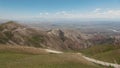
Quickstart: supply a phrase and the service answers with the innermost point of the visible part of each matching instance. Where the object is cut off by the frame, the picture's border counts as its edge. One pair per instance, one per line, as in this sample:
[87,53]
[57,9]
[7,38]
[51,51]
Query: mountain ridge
[16,34]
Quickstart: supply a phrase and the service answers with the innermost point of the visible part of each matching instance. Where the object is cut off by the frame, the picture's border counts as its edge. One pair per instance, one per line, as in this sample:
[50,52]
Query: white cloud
[108,14]
[61,12]
[97,13]
[97,10]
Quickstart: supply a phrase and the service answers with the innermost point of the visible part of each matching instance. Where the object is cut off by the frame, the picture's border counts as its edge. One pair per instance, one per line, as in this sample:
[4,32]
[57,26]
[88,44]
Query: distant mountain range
[65,39]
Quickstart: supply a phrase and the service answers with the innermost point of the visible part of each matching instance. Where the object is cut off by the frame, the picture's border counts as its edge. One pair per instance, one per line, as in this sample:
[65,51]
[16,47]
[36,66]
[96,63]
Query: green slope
[11,59]
[107,53]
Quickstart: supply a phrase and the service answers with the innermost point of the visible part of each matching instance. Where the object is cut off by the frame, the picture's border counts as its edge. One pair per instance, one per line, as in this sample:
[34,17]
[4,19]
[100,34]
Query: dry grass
[22,49]
[31,57]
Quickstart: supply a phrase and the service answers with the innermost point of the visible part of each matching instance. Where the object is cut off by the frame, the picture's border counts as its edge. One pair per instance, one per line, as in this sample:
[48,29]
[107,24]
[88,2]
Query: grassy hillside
[107,53]
[9,58]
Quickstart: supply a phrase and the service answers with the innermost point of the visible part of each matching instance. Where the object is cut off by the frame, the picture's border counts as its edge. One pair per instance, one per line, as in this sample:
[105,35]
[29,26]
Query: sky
[60,9]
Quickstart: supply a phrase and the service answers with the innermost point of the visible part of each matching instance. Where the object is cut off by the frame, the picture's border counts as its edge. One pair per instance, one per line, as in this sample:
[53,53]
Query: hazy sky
[60,9]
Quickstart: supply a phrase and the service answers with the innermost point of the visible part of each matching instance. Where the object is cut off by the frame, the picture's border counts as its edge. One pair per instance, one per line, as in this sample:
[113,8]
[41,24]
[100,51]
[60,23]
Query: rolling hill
[30,57]
[108,53]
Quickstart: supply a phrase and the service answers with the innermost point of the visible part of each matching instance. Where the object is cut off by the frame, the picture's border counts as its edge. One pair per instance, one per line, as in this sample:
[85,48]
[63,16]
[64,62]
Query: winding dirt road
[89,59]
[100,62]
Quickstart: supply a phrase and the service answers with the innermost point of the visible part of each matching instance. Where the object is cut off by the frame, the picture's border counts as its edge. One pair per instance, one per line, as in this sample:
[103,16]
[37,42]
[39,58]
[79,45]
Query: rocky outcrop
[67,39]
[58,33]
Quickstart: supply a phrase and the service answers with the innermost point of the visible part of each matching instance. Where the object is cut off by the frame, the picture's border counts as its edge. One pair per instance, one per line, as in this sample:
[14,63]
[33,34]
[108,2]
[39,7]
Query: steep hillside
[66,39]
[13,33]
[16,34]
